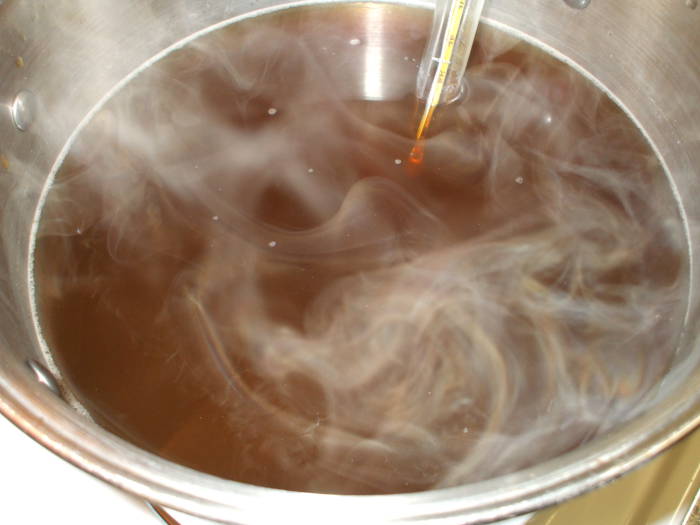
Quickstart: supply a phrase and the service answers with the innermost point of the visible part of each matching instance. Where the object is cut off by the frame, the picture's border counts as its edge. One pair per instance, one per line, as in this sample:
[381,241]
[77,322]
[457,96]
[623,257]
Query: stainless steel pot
[646,54]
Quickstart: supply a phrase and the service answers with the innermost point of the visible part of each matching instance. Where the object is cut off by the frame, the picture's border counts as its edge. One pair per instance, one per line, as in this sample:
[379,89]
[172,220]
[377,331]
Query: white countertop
[38,487]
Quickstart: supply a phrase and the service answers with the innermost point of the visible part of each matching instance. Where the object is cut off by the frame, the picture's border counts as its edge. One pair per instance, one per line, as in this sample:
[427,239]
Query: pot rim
[58,427]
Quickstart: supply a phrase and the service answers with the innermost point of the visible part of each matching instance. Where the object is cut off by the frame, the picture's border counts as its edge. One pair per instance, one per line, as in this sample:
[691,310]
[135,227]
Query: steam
[517,298]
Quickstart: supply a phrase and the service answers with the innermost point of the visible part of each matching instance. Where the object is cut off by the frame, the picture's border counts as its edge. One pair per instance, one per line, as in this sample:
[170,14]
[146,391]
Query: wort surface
[238,269]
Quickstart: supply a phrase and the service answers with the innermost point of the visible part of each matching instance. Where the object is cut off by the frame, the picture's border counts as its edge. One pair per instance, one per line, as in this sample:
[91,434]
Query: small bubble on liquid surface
[310,170]
[215,218]
[355,42]
[272,111]
[398,162]
[519,180]
[272,244]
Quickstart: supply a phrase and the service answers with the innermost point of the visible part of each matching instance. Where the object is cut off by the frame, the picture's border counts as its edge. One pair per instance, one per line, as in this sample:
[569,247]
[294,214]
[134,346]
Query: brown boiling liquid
[238,268]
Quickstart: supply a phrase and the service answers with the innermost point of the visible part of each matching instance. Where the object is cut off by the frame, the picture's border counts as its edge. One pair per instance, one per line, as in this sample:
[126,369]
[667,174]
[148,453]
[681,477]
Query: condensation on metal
[580,4]
[23,110]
